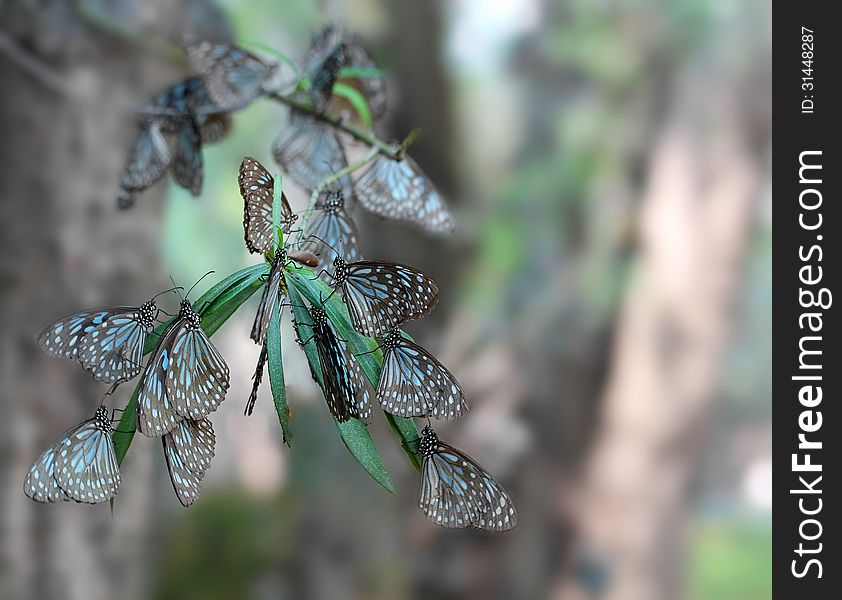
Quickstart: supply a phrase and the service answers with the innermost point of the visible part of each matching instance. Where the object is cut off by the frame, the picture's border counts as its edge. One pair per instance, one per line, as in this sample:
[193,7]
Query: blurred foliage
[731,560]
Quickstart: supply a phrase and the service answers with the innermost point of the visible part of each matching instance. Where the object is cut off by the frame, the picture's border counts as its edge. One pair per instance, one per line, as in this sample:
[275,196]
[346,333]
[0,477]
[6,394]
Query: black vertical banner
[807,257]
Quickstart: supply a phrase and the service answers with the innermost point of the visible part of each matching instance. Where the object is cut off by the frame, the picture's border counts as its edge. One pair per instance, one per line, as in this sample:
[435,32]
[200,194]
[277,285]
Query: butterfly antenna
[198,282]
[369,352]
[177,288]
[172,289]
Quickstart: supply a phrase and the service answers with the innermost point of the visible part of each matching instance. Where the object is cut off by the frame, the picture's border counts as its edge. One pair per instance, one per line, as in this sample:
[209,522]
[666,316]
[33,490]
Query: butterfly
[310,152]
[186,377]
[414,384]
[189,100]
[272,293]
[398,190]
[326,46]
[457,492]
[257,187]
[188,449]
[331,229]
[381,295]
[80,465]
[108,342]
[324,72]
[345,386]
[148,161]
[233,77]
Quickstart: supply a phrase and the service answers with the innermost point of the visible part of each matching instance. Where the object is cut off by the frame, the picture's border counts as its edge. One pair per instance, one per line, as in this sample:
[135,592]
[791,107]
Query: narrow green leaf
[276,371]
[216,306]
[354,433]
[351,72]
[356,99]
[365,349]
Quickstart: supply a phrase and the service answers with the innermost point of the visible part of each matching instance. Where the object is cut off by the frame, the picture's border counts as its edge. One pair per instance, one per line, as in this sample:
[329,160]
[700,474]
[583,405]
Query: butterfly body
[108,342]
[185,378]
[457,492]
[80,465]
[345,386]
[414,384]
[381,295]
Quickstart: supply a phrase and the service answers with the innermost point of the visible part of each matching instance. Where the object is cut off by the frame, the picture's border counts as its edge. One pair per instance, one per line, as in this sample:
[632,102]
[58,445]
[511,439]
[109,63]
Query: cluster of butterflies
[186,379]
[179,120]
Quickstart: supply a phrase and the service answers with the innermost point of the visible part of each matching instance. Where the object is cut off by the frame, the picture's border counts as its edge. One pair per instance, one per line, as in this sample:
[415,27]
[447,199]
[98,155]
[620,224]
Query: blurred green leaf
[217,305]
[365,349]
[354,433]
[352,72]
[356,99]
[276,371]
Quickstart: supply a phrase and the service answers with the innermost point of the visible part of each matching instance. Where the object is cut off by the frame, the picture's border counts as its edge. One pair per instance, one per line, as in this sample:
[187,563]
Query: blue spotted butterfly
[331,232]
[381,295]
[398,190]
[188,449]
[108,342]
[414,384]
[457,492]
[233,77]
[310,152]
[186,377]
[80,465]
[345,387]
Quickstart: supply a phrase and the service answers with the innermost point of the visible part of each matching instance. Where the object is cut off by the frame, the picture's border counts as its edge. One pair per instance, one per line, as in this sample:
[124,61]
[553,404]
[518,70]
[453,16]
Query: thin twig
[314,195]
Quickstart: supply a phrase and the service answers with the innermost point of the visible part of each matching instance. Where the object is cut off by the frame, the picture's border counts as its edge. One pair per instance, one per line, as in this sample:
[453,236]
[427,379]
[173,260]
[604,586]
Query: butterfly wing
[40,483]
[233,77]
[414,384]
[63,337]
[188,449]
[345,386]
[148,160]
[398,190]
[310,152]
[380,295]
[457,492]
[257,187]
[85,464]
[187,166]
[156,413]
[112,350]
[198,378]
[329,233]
[271,294]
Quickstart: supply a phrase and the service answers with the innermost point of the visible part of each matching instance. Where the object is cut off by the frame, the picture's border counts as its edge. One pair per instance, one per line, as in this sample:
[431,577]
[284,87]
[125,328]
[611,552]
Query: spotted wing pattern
[80,465]
[257,187]
[331,232]
[233,77]
[345,386]
[188,450]
[272,293]
[414,384]
[457,492]
[185,378]
[108,342]
[310,152]
[398,190]
[381,295]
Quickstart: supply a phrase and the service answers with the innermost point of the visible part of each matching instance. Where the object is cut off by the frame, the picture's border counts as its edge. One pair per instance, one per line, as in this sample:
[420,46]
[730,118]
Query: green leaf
[352,72]
[216,306]
[365,349]
[356,99]
[276,371]
[354,433]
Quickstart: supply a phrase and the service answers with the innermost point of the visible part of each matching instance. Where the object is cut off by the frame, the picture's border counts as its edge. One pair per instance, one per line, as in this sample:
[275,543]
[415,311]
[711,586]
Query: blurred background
[606,302]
